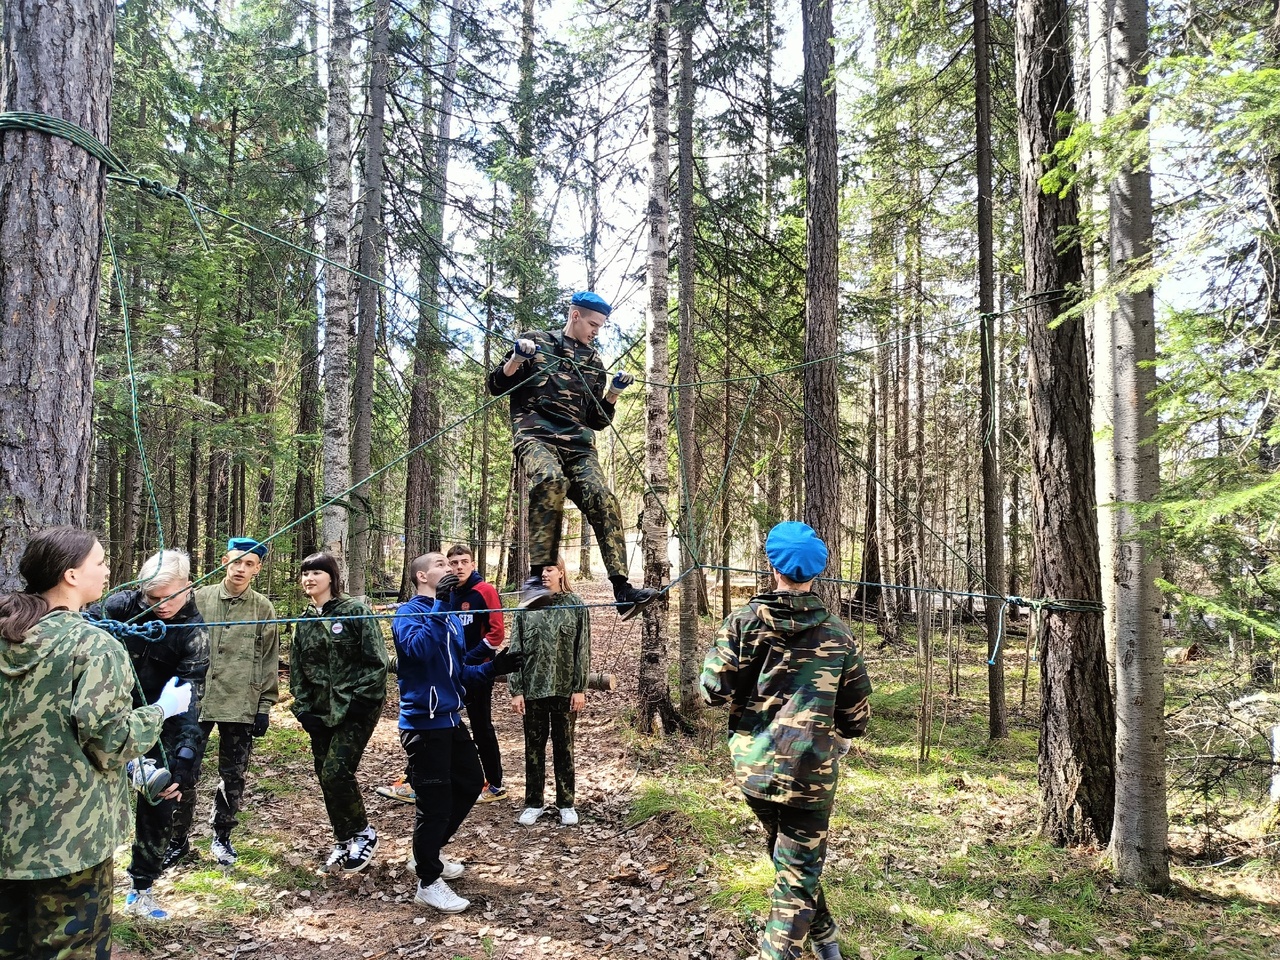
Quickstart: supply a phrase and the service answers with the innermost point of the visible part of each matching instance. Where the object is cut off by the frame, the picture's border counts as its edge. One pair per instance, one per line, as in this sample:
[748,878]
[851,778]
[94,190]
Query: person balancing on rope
[558,400]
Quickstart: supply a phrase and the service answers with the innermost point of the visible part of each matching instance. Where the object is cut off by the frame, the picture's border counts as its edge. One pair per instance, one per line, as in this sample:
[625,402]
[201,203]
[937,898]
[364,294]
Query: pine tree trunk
[419,505]
[822,222]
[1140,837]
[1077,717]
[54,59]
[868,594]
[992,489]
[654,694]
[367,301]
[336,453]
[690,645]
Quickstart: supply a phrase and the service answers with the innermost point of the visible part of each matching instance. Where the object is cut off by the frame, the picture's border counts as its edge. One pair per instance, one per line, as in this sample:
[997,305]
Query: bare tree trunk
[654,694]
[54,59]
[690,646]
[336,454]
[868,594]
[419,514]
[367,299]
[821,386]
[1077,717]
[992,489]
[1140,838]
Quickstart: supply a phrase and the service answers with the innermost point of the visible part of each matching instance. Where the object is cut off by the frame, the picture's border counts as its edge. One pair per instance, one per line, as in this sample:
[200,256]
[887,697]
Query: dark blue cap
[247,545]
[591,301]
[796,551]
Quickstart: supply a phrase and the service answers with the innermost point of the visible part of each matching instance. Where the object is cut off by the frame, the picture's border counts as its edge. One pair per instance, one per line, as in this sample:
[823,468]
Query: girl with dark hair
[338,678]
[68,727]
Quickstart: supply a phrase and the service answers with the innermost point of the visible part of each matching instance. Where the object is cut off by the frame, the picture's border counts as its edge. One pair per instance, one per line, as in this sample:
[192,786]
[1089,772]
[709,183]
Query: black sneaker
[631,600]
[176,854]
[360,850]
[533,594]
[828,950]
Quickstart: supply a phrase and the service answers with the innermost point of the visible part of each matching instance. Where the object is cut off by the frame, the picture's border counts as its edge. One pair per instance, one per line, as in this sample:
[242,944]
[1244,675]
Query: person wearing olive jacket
[338,677]
[550,690]
[68,727]
[240,688]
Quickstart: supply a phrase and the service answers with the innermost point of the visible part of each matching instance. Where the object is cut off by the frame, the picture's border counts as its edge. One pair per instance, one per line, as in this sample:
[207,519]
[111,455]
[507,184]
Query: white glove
[174,698]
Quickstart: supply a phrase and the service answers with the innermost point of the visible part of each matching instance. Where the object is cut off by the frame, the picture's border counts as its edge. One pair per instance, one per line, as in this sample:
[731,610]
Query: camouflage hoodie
[556,641]
[793,679]
[67,728]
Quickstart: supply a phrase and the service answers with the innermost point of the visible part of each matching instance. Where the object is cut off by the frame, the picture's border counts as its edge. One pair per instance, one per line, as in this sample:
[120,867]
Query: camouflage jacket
[556,641]
[67,728]
[559,394]
[182,652]
[244,660]
[336,664]
[793,679]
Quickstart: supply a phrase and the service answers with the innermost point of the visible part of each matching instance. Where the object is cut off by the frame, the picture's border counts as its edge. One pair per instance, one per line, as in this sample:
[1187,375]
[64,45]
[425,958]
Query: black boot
[631,600]
[176,854]
[533,594]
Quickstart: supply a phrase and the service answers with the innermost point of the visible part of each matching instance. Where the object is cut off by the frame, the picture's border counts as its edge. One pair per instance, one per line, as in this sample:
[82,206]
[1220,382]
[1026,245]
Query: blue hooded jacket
[432,665]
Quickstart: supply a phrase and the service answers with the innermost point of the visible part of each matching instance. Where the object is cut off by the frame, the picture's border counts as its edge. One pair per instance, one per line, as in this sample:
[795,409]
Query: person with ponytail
[68,727]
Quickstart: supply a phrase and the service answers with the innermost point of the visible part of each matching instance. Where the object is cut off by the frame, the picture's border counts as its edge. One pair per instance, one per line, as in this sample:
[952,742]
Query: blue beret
[247,545]
[796,551]
[591,301]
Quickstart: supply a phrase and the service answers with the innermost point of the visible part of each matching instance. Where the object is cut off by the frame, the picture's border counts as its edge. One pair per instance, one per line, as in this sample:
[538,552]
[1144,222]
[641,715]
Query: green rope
[57,127]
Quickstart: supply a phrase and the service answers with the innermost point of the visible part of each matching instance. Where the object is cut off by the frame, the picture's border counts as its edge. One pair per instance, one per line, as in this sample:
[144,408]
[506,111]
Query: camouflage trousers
[235,747]
[337,752]
[548,715]
[63,918]
[797,841]
[556,472]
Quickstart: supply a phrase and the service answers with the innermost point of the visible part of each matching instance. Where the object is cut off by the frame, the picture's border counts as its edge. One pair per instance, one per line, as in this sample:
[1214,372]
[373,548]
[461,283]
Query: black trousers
[479,704]
[63,918]
[445,773]
[235,747]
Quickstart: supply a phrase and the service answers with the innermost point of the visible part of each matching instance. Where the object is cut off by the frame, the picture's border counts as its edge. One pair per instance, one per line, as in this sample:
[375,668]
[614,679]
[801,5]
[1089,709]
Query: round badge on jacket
[337,628]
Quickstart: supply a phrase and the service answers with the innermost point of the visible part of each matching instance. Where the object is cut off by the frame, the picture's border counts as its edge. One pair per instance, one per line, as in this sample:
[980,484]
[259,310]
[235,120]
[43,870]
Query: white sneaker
[439,896]
[337,857]
[569,816]
[452,869]
[140,903]
[530,816]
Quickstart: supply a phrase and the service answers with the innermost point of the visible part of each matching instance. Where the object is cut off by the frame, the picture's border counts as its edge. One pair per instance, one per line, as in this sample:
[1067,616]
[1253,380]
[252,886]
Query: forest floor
[926,859]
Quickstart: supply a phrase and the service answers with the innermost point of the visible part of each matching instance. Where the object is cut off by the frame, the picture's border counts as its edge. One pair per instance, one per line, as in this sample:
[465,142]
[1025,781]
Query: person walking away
[241,686]
[550,691]
[164,600]
[338,677]
[444,768]
[559,398]
[68,727]
[797,691]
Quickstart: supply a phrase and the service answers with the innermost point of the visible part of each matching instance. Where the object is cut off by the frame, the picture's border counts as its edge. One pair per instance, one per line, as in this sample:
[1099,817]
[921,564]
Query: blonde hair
[165,567]
[564,572]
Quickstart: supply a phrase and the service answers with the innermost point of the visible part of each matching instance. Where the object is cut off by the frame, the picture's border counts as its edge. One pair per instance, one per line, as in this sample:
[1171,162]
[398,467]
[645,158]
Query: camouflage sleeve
[499,383]
[853,708]
[582,651]
[110,730]
[515,682]
[270,664]
[720,669]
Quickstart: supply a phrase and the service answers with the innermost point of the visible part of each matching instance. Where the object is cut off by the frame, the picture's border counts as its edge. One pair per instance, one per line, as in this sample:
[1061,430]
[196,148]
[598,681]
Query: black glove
[446,585]
[507,661]
[310,722]
[183,767]
[260,724]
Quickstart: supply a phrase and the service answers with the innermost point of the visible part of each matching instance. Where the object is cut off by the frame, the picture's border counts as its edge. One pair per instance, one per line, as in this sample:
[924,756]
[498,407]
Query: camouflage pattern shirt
[556,641]
[336,663]
[67,728]
[794,680]
[244,660]
[559,394]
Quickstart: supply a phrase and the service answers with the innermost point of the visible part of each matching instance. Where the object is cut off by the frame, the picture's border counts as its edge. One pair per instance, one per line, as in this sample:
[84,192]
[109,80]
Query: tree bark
[336,453]
[419,508]
[822,222]
[367,300]
[54,59]
[992,489]
[1077,717]
[654,693]
[1140,838]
